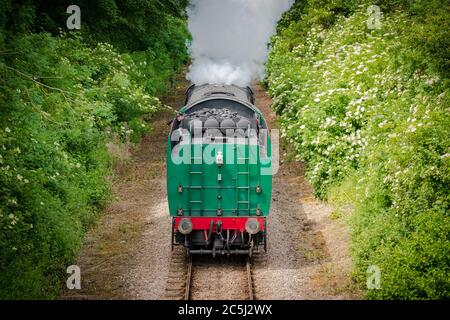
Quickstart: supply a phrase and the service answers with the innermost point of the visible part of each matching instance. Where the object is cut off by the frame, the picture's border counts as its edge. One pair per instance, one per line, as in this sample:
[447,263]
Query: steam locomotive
[219,172]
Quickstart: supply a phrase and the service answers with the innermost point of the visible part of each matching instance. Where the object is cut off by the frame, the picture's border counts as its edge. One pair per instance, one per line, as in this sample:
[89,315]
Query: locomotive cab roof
[201,94]
[196,93]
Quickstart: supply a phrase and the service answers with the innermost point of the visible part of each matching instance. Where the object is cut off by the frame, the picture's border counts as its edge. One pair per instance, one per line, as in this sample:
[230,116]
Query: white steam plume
[230,39]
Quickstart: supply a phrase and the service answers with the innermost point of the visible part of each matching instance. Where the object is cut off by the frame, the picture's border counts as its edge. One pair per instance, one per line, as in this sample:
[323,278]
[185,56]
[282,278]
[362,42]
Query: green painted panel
[207,187]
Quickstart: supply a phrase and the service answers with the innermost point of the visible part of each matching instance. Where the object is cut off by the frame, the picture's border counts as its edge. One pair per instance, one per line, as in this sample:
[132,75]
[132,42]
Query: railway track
[250,286]
[200,277]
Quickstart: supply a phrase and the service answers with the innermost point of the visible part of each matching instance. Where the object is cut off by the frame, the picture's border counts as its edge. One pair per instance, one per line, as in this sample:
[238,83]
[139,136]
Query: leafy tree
[63,95]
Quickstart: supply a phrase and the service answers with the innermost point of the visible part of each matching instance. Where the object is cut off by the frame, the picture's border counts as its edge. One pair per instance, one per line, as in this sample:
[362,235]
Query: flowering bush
[368,112]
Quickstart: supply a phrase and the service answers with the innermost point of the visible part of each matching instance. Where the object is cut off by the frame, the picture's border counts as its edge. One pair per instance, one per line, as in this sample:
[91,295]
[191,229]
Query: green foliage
[61,97]
[368,111]
[129,25]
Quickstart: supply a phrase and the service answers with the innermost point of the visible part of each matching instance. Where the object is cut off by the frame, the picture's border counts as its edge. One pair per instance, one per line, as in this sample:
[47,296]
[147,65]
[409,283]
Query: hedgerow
[368,112]
[63,95]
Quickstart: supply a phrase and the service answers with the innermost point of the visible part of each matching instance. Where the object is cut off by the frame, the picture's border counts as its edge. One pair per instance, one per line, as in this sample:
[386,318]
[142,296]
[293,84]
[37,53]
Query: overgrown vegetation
[62,96]
[368,111]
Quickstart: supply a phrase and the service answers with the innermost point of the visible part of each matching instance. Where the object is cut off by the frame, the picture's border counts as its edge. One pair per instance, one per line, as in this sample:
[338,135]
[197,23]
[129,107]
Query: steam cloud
[230,39]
